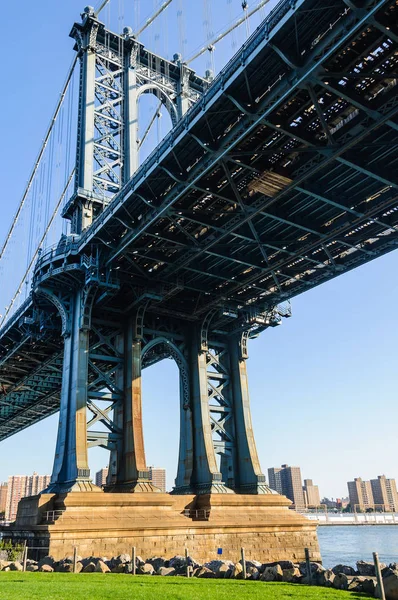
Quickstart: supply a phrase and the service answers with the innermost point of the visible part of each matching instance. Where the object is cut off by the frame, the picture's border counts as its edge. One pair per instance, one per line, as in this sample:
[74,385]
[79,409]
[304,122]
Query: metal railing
[50,516]
[329,516]
[64,245]
[202,514]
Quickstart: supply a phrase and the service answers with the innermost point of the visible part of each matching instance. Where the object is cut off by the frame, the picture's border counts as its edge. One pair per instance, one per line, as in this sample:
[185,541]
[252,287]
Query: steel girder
[30,369]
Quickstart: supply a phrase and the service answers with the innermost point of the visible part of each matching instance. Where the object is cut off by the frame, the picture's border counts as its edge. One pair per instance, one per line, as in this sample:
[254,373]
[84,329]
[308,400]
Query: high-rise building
[287,481]
[3,497]
[20,486]
[360,493]
[274,478]
[385,492]
[100,477]
[311,493]
[158,477]
[342,502]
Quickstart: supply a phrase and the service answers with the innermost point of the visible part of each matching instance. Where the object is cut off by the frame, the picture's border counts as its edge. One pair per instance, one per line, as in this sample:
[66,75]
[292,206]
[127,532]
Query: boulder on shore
[284,564]
[325,578]
[101,567]
[390,582]
[237,571]
[146,569]
[340,581]
[157,562]
[215,565]
[369,585]
[89,568]
[314,566]
[367,569]
[203,573]
[355,583]
[272,573]
[345,569]
[46,560]
[292,575]
[252,572]
[225,571]
[166,571]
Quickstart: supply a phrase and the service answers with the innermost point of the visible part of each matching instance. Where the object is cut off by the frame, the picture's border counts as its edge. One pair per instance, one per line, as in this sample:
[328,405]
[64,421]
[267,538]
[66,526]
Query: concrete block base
[108,524]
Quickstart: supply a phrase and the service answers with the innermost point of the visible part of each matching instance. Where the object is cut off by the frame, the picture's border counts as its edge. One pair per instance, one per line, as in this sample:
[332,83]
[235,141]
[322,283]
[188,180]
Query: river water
[347,544]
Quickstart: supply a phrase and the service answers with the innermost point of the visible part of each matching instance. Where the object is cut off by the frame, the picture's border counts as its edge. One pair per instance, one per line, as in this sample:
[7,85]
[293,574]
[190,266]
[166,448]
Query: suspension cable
[97,12]
[151,122]
[222,35]
[39,157]
[154,16]
[36,253]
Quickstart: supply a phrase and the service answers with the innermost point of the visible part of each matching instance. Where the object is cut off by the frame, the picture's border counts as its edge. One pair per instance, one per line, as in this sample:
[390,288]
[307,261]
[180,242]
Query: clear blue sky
[323,385]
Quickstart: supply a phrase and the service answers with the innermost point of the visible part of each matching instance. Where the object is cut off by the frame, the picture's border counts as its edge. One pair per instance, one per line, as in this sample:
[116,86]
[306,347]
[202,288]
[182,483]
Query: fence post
[74,559]
[242,553]
[24,556]
[186,563]
[308,565]
[378,575]
[133,560]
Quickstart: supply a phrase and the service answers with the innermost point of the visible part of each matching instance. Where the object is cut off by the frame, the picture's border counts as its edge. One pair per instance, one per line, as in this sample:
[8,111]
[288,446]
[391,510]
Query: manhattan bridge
[278,174]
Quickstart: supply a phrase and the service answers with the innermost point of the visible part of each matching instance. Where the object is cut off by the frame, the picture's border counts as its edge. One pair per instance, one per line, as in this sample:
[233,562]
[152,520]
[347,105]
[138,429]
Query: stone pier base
[105,524]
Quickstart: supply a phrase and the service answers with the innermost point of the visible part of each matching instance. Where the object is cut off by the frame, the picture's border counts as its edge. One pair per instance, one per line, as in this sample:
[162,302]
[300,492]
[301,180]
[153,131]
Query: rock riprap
[342,577]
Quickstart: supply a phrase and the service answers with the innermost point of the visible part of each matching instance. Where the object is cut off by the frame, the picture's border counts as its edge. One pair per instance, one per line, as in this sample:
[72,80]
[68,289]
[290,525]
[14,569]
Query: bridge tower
[114,71]
[103,359]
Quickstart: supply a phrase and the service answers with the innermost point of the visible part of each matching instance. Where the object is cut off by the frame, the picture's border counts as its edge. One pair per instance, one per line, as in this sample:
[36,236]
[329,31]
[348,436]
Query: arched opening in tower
[161,417]
[154,122]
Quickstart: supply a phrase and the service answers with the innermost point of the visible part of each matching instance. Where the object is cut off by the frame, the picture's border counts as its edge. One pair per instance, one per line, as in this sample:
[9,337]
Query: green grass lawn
[98,586]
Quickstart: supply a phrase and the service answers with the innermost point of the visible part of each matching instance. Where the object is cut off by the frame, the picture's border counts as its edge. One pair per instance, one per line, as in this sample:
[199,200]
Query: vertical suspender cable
[245,7]
[233,36]
[38,159]
[209,33]
[222,35]
[181,26]
[41,241]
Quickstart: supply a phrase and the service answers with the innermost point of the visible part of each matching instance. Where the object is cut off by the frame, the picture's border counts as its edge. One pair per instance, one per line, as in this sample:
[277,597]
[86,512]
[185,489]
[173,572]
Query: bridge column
[132,474]
[131,112]
[183,483]
[206,477]
[249,478]
[183,101]
[71,471]
[83,205]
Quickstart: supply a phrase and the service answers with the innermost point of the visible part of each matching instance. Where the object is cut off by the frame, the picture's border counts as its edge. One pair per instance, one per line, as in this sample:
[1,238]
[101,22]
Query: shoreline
[322,524]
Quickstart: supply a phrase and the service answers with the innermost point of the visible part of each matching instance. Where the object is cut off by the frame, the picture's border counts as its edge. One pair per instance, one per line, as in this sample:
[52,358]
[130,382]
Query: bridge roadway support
[164,525]
[214,407]
[71,471]
[215,503]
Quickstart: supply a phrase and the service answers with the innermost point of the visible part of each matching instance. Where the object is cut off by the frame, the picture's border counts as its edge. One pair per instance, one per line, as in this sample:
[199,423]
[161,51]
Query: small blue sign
[219,550]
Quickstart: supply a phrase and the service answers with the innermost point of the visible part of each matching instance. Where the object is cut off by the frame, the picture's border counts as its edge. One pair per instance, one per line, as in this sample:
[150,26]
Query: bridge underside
[282,177]
[283,180]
